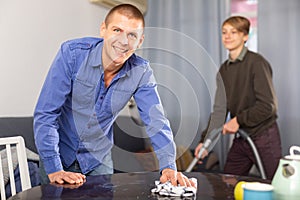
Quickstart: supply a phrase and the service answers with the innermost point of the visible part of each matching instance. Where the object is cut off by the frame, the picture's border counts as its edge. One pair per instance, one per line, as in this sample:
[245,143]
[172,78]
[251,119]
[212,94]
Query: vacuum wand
[208,145]
[195,160]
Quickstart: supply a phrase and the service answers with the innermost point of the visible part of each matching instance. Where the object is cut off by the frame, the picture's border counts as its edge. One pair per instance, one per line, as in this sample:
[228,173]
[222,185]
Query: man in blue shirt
[88,84]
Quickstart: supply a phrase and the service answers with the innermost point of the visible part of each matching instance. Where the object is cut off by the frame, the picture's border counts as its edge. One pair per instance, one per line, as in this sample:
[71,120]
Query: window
[247,8]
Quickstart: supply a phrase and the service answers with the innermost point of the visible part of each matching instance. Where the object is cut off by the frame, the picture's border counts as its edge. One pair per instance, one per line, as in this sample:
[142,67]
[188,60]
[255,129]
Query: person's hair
[242,24]
[127,10]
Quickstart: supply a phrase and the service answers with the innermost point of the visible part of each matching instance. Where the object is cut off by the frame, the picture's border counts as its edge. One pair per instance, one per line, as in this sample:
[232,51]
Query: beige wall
[31,32]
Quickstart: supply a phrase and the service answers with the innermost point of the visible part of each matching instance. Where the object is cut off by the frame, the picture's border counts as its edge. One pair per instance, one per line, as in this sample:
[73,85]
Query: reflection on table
[134,186]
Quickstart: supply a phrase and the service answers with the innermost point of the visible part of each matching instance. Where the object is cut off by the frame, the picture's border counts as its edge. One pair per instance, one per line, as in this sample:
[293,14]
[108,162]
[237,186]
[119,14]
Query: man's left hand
[176,177]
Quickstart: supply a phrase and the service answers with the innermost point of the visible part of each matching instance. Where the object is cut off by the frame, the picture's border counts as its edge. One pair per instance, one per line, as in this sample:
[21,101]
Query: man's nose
[123,39]
[227,35]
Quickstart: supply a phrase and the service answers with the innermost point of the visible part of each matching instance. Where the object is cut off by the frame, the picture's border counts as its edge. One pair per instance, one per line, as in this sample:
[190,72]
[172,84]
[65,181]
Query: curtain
[278,41]
[183,45]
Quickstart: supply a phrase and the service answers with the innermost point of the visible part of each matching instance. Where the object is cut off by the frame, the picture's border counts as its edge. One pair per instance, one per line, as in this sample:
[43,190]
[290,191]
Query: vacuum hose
[212,139]
[244,135]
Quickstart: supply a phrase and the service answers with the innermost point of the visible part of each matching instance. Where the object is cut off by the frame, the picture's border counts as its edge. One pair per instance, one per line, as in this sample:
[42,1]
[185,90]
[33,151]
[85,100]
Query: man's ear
[102,29]
[246,37]
[141,41]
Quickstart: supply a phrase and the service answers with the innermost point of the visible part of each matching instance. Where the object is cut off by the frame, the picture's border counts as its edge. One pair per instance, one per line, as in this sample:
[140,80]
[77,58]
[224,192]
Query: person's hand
[62,177]
[176,177]
[205,153]
[231,127]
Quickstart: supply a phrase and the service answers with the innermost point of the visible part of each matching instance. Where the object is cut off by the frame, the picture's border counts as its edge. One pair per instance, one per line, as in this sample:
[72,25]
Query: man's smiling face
[122,36]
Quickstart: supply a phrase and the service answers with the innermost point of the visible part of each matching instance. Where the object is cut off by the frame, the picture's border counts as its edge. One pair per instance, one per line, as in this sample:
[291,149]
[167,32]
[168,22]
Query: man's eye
[117,30]
[132,36]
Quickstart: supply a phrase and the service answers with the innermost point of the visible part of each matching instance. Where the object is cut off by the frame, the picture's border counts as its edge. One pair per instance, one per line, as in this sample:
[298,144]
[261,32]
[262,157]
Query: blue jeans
[34,178]
[105,168]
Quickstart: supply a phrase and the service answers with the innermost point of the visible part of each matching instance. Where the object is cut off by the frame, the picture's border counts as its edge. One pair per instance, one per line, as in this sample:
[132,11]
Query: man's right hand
[62,177]
[205,153]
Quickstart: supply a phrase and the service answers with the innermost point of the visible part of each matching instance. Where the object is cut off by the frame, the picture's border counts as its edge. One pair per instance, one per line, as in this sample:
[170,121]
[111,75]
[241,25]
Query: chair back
[11,143]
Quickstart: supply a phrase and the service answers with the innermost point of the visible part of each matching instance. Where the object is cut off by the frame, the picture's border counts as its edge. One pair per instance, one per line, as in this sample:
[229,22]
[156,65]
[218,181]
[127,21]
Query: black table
[134,186]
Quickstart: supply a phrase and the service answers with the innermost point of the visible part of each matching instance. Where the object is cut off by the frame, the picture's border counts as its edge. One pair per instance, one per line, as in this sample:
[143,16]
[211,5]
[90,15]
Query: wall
[278,41]
[31,32]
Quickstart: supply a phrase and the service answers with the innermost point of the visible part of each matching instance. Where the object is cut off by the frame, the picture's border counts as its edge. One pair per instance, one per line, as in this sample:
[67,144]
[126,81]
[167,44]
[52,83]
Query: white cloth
[167,189]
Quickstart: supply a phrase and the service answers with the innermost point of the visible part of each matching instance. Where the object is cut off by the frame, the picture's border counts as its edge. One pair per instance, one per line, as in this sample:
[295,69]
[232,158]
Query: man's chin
[121,59]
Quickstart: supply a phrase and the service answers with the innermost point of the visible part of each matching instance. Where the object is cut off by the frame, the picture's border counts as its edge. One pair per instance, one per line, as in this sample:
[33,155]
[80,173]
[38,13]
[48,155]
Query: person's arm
[158,129]
[53,95]
[217,117]
[157,125]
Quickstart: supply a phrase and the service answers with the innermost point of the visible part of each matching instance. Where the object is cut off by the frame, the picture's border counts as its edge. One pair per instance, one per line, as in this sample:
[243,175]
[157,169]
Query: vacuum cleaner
[211,140]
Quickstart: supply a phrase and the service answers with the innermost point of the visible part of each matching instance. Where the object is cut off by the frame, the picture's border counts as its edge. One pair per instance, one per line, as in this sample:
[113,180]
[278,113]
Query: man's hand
[176,177]
[62,177]
[231,127]
[205,153]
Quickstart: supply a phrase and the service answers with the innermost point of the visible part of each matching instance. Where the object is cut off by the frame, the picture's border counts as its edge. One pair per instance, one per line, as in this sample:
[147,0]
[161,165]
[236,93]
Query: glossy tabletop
[134,186]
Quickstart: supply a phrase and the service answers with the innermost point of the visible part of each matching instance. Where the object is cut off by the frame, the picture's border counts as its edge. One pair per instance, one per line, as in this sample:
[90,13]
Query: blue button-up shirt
[75,112]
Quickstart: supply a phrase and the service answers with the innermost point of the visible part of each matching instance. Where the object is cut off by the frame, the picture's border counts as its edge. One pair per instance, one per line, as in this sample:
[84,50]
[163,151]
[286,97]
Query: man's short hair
[242,24]
[127,10]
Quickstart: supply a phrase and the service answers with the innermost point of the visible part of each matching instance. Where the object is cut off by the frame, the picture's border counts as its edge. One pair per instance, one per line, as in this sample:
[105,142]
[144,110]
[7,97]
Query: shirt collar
[95,57]
[240,57]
